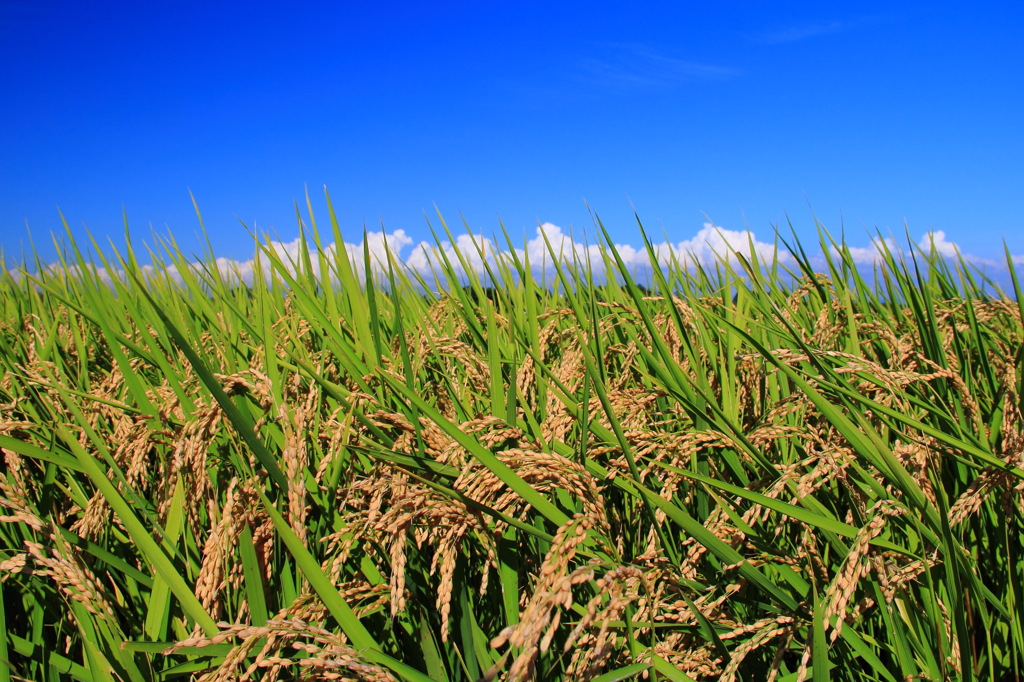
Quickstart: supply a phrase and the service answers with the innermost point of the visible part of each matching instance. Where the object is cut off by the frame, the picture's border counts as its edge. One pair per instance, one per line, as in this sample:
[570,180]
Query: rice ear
[345,469]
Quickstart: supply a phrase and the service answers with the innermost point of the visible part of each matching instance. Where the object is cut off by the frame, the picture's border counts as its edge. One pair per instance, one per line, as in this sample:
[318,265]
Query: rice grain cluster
[734,472]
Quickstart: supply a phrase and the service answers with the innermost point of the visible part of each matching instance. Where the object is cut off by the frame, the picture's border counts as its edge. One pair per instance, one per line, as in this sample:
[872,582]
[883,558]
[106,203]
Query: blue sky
[745,112]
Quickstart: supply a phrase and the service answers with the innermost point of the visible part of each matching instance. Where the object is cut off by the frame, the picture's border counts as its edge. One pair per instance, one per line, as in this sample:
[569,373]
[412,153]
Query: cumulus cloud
[871,255]
[290,256]
[937,241]
[931,242]
[475,251]
[714,243]
[98,272]
[711,244]
[476,254]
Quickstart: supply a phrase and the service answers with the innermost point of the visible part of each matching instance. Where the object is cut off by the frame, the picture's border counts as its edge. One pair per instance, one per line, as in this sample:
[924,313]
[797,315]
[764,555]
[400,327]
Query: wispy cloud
[791,34]
[640,67]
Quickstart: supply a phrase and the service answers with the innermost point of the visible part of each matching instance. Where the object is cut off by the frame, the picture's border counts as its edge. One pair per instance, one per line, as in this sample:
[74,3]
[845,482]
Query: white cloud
[289,254]
[937,241]
[475,250]
[711,244]
[379,244]
[931,241]
[714,243]
[99,272]
[871,255]
[567,249]
[708,246]
[233,270]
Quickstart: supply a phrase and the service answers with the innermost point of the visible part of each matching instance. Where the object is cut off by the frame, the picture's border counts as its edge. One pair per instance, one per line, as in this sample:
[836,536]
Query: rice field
[744,470]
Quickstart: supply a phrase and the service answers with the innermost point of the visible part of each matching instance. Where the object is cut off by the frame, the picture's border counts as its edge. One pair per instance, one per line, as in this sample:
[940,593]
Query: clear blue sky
[518,110]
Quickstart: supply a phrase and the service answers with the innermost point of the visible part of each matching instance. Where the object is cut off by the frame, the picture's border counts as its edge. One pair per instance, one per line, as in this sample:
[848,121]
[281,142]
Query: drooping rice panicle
[510,470]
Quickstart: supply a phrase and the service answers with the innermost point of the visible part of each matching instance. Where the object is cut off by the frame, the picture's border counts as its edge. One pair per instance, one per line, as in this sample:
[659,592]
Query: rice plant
[349,470]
